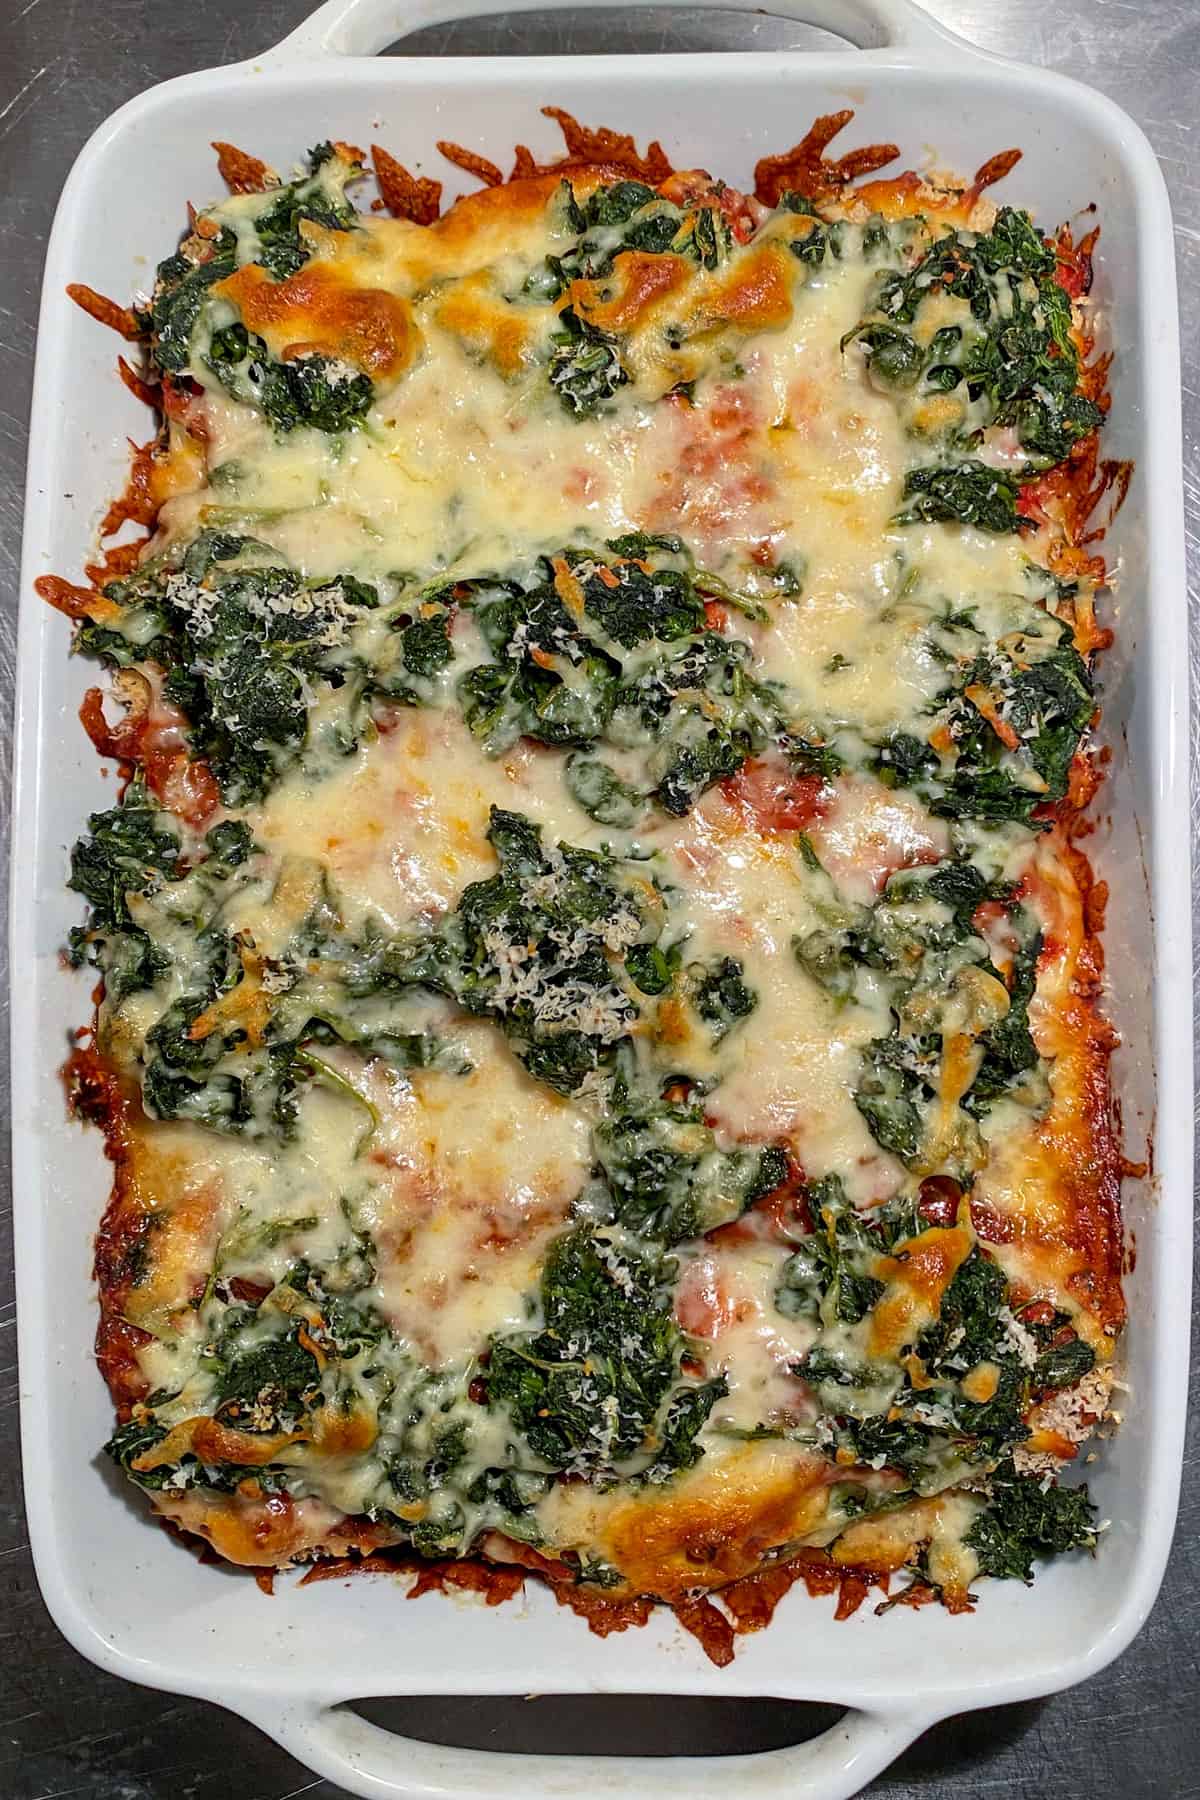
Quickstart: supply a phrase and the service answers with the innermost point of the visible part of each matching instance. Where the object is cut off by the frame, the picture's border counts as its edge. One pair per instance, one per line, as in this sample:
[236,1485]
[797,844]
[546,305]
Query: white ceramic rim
[329,1738]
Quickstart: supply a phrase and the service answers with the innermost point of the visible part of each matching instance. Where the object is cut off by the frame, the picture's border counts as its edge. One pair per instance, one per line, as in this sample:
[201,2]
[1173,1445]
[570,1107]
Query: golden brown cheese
[713,1526]
[486,324]
[634,292]
[1048,1201]
[317,310]
[916,1275]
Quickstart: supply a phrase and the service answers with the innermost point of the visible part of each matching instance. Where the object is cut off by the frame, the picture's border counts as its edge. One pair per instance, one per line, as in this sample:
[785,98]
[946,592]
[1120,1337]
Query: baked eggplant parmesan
[598,1033]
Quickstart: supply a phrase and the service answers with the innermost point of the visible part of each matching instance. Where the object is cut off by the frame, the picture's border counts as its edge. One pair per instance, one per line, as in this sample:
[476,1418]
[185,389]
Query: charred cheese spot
[213,1443]
[890,1540]
[181,470]
[1053,1183]
[345,1433]
[246,1008]
[981,1383]
[481,225]
[317,309]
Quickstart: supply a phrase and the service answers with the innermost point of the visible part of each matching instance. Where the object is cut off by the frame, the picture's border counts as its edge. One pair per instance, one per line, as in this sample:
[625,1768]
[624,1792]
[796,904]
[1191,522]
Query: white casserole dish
[122,1592]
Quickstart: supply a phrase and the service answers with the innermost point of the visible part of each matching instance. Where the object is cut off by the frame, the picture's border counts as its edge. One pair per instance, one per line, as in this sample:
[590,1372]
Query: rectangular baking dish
[123,1593]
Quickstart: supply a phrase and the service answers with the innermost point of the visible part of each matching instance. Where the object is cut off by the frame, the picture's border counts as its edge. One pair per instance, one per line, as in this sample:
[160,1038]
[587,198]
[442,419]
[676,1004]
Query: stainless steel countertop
[68,1729]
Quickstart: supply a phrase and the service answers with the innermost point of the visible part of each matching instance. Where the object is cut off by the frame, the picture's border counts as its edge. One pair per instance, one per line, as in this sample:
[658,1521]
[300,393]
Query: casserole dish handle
[365,27]
[377,1764]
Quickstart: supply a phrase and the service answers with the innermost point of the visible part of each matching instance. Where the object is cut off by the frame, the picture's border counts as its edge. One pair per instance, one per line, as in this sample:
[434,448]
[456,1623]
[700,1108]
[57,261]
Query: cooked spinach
[601,792]
[916,1417]
[312,390]
[830,1275]
[597,1384]
[966,493]
[699,713]
[968,1325]
[1007,725]
[1011,360]
[632,602]
[693,711]
[183,280]
[180,291]
[651,968]
[348,1321]
[921,936]
[128,849]
[585,365]
[234,1048]
[826,238]
[133,1439]
[879,1441]
[719,993]
[425,643]
[242,644]
[1008,1047]
[258,1100]
[1063,1364]
[535,947]
[320,199]
[686,1417]
[705,238]
[617,204]
[1039,689]
[1025,1520]
[230,842]
[628,215]
[895,358]
[668,1176]
[896,1084]
[904,760]
[549,681]
[268,1386]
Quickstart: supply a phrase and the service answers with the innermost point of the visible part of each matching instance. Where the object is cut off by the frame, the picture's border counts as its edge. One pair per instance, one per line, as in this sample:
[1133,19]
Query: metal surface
[67,1729]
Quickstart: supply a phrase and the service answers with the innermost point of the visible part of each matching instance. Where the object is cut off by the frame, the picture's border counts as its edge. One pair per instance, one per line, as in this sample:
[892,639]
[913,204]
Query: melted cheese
[788,1073]
[916,1276]
[461,1219]
[401,824]
[725,1297]
[799,454]
[314,311]
[715,1524]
